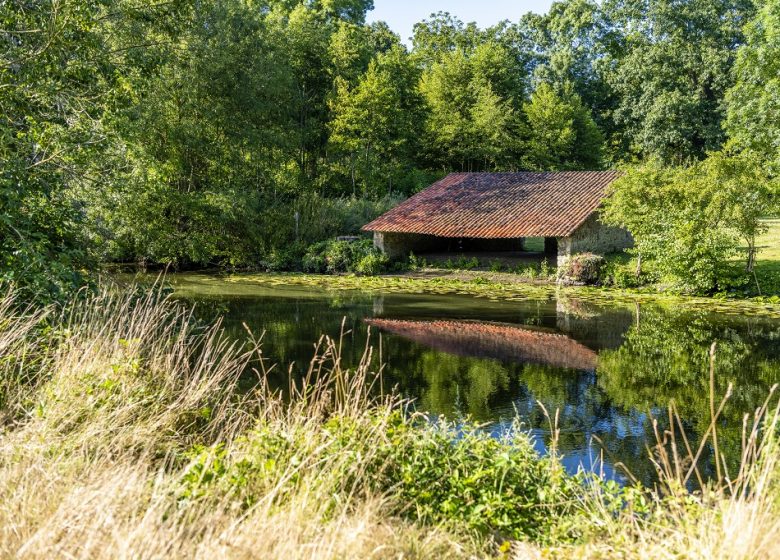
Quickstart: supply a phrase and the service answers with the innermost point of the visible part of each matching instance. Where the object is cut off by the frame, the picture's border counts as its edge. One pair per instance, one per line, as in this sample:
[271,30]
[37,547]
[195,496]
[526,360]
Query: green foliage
[437,474]
[334,257]
[582,268]
[691,220]
[225,133]
[673,74]
[416,262]
[561,132]
[753,102]
[496,266]
[472,104]
[462,262]
[621,270]
[371,264]
[376,123]
[54,75]
[576,43]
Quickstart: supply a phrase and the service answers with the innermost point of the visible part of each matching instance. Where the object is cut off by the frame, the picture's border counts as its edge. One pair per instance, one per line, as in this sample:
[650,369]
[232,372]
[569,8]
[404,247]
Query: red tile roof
[493,340]
[500,205]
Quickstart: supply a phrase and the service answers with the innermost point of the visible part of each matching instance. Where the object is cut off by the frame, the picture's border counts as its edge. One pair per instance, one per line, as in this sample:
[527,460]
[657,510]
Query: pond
[607,370]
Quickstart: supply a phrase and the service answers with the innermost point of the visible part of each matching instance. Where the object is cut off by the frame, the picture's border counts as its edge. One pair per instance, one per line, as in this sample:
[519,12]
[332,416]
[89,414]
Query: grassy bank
[768,260]
[124,436]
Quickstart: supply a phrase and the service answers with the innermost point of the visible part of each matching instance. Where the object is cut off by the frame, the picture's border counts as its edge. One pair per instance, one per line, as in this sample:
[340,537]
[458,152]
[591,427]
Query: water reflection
[608,370]
[493,340]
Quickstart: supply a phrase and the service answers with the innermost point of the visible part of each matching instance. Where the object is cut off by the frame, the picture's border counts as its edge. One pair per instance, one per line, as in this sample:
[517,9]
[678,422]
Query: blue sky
[401,15]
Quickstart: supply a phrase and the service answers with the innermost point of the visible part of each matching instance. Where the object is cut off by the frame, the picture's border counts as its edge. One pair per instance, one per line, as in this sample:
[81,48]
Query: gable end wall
[594,237]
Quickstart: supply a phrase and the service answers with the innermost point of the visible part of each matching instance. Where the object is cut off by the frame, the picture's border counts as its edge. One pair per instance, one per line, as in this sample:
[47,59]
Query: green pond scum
[481,287]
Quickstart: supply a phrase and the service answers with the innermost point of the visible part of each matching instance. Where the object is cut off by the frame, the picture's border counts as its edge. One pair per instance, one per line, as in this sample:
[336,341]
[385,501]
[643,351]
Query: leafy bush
[314,258]
[436,473]
[284,260]
[372,264]
[334,257]
[620,271]
[417,262]
[462,263]
[582,268]
[496,266]
[526,271]
[339,256]
[690,221]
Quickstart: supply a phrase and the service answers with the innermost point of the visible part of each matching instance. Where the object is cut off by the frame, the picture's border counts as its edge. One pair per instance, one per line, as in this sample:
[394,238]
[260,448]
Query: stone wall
[594,237]
[399,245]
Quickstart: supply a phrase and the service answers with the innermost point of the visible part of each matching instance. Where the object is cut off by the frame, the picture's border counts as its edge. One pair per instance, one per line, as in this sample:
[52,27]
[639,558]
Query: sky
[401,15]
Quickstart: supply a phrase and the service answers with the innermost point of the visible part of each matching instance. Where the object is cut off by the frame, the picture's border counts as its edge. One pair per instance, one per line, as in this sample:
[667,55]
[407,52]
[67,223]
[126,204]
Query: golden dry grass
[102,409]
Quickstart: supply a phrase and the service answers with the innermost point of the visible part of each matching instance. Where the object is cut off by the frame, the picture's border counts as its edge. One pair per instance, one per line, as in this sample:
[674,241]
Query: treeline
[217,132]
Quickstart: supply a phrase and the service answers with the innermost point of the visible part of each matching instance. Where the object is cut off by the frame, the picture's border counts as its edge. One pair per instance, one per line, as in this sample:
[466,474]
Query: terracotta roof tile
[500,205]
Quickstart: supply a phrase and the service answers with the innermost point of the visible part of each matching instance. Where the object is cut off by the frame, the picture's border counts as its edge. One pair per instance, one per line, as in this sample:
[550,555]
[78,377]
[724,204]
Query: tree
[575,43]
[472,101]
[198,146]
[55,77]
[376,123]
[743,193]
[561,132]
[753,102]
[689,221]
[675,72]
[441,35]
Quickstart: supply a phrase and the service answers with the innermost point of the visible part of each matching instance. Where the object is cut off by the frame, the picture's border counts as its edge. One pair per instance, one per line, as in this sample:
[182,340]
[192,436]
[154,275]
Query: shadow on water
[607,370]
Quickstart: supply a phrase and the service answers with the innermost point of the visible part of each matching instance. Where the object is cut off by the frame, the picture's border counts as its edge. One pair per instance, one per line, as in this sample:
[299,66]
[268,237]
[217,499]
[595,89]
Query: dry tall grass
[731,517]
[98,411]
[117,417]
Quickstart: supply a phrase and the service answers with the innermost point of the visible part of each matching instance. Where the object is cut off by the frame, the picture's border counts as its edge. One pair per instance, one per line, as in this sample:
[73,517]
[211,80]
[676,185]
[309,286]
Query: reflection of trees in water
[488,373]
[665,357]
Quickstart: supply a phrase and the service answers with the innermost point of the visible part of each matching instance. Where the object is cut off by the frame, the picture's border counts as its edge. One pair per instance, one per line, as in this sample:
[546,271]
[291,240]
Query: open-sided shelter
[496,212]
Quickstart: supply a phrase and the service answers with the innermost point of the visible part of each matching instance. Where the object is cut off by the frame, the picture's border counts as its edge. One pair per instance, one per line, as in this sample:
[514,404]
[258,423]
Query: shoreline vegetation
[459,275]
[492,286]
[124,434]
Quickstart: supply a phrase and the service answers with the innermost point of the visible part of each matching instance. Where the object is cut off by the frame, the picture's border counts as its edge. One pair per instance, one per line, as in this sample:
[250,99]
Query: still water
[608,371]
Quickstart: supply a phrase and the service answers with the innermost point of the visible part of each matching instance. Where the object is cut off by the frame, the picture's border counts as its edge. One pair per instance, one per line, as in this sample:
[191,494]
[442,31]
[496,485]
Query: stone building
[497,212]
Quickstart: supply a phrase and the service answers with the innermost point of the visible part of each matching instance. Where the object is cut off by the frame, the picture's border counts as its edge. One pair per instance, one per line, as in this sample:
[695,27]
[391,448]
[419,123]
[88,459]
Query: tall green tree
[473,101]
[575,43]
[376,124]
[441,35]
[754,101]
[561,132]
[198,144]
[56,75]
[691,220]
[672,80]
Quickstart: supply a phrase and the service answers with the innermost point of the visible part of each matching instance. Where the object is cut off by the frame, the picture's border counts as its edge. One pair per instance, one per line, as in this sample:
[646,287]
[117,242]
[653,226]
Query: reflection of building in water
[493,340]
[379,305]
[596,326]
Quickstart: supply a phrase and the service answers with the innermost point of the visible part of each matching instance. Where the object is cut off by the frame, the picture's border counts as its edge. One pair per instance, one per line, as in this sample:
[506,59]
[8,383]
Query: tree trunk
[751,261]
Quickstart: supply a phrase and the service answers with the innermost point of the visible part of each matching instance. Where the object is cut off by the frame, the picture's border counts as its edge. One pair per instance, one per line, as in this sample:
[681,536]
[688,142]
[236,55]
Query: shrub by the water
[582,268]
[334,257]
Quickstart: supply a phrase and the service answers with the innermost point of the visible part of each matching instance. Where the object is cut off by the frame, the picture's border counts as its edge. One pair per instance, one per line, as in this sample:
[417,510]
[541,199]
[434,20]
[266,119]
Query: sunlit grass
[123,435]
[769,243]
[768,259]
